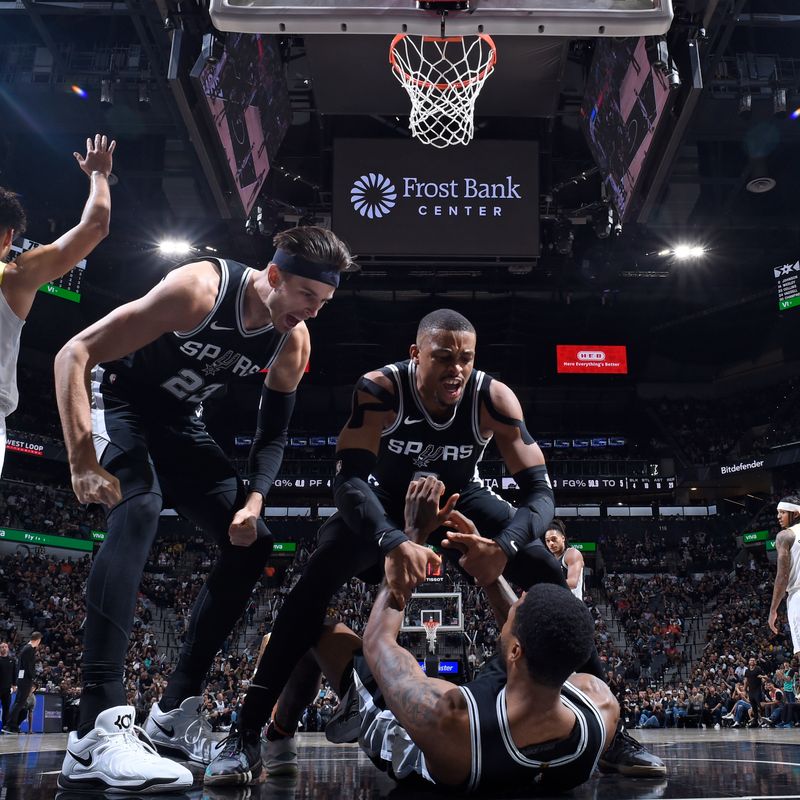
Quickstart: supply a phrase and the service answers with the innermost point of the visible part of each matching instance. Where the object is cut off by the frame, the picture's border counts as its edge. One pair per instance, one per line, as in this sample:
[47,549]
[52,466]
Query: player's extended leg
[279,752]
[105,751]
[339,556]
[175,723]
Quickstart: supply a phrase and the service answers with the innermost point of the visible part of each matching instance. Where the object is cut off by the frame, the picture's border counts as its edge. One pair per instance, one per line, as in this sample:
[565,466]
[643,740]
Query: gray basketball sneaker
[183,733]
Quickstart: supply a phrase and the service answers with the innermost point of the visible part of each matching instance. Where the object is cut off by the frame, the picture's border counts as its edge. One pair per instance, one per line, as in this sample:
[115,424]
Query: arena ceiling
[615,286]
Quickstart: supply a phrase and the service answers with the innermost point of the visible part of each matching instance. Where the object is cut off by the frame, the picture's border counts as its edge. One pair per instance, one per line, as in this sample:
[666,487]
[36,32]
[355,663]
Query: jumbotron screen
[627,97]
[67,287]
[592,359]
[247,101]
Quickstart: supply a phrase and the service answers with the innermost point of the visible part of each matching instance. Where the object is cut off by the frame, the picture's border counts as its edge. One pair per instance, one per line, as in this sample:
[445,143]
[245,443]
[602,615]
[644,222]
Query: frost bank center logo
[373,195]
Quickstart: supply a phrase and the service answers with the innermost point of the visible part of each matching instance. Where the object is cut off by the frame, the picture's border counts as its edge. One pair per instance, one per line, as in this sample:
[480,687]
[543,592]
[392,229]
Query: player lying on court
[433,413]
[527,722]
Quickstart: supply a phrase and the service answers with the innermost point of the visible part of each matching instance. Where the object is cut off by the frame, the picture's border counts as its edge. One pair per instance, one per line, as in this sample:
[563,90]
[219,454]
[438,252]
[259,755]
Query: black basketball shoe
[344,726]
[628,757]
[239,761]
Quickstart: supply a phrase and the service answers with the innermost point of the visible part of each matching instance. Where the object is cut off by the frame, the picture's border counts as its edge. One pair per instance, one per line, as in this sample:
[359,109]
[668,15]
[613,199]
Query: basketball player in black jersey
[526,722]
[432,414]
[143,443]
[570,558]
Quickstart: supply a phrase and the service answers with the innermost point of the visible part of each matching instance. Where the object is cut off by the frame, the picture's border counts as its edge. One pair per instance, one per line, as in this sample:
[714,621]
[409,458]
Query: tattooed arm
[783,546]
[432,711]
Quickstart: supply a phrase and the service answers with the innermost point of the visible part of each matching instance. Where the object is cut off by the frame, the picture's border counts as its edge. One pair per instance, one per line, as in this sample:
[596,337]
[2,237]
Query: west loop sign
[401,198]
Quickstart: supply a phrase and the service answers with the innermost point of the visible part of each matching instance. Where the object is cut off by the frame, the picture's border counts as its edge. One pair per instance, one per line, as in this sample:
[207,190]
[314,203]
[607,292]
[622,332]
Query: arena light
[684,252]
[174,247]
[796,113]
[78,91]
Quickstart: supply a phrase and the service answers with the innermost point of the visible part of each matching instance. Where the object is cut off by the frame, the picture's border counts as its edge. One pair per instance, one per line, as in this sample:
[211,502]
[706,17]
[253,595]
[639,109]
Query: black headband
[313,270]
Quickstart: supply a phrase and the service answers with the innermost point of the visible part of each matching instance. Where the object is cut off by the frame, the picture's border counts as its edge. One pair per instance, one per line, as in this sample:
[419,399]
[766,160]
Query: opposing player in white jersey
[570,558]
[787,577]
[20,279]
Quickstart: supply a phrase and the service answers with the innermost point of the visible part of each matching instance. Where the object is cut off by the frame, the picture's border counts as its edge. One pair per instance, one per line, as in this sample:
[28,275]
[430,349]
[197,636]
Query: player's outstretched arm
[180,302]
[465,538]
[432,711]
[50,261]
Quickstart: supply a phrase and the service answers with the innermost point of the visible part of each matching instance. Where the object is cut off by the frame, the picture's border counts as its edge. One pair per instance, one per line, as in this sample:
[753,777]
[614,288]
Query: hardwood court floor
[701,764]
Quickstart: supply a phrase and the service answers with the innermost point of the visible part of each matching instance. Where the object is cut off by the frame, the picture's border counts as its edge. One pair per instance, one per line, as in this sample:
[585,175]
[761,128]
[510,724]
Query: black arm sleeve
[358,504]
[535,512]
[272,427]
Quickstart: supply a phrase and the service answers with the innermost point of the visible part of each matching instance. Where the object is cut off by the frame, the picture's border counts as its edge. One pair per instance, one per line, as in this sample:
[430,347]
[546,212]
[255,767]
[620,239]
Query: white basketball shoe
[183,732]
[116,756]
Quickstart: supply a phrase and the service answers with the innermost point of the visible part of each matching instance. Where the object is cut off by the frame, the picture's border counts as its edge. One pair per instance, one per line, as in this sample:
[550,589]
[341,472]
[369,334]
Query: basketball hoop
[443,76]
[431,626]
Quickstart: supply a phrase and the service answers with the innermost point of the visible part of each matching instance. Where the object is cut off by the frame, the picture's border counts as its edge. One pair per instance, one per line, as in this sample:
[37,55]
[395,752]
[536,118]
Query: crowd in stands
[679,546]
[45,509]
[651,604]
[735,606]
[713,430]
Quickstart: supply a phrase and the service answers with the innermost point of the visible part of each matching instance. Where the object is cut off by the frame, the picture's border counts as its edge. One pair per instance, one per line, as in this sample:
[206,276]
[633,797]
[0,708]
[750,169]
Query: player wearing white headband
[787,577]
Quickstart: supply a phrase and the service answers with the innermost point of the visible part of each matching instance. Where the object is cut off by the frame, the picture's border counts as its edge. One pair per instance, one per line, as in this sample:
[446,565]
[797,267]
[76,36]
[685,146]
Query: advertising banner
[590,359]
[31,445]
[402,198]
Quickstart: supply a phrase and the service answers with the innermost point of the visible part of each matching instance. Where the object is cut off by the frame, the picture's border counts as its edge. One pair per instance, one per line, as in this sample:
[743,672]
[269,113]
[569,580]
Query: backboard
[563,18]
[444,607]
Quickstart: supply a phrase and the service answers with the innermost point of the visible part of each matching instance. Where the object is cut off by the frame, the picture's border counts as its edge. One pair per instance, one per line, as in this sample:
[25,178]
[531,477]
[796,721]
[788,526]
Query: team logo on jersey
[223,362]
[214,360]
[423,455]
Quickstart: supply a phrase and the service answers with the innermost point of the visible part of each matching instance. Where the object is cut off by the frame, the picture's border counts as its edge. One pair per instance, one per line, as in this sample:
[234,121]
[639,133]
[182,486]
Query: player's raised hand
[481,557]
[406,567]
[422,512]
[99,155]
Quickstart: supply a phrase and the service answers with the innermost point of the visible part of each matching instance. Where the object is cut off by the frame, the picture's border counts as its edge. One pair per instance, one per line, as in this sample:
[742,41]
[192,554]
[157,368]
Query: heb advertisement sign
[402,198]
[592,358]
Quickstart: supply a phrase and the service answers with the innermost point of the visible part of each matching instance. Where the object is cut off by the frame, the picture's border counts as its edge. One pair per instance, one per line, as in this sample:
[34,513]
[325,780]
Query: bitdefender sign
[402,198]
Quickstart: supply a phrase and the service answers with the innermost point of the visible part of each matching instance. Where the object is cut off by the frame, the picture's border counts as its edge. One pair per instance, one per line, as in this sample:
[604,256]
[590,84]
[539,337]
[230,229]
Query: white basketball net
[443,78]
[431,627]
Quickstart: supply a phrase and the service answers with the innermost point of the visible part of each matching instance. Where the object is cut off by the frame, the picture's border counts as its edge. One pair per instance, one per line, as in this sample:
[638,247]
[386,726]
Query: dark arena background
[624,233]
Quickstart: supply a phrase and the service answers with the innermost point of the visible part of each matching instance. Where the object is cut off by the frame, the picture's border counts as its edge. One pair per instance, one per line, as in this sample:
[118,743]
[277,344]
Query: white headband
[788,507]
